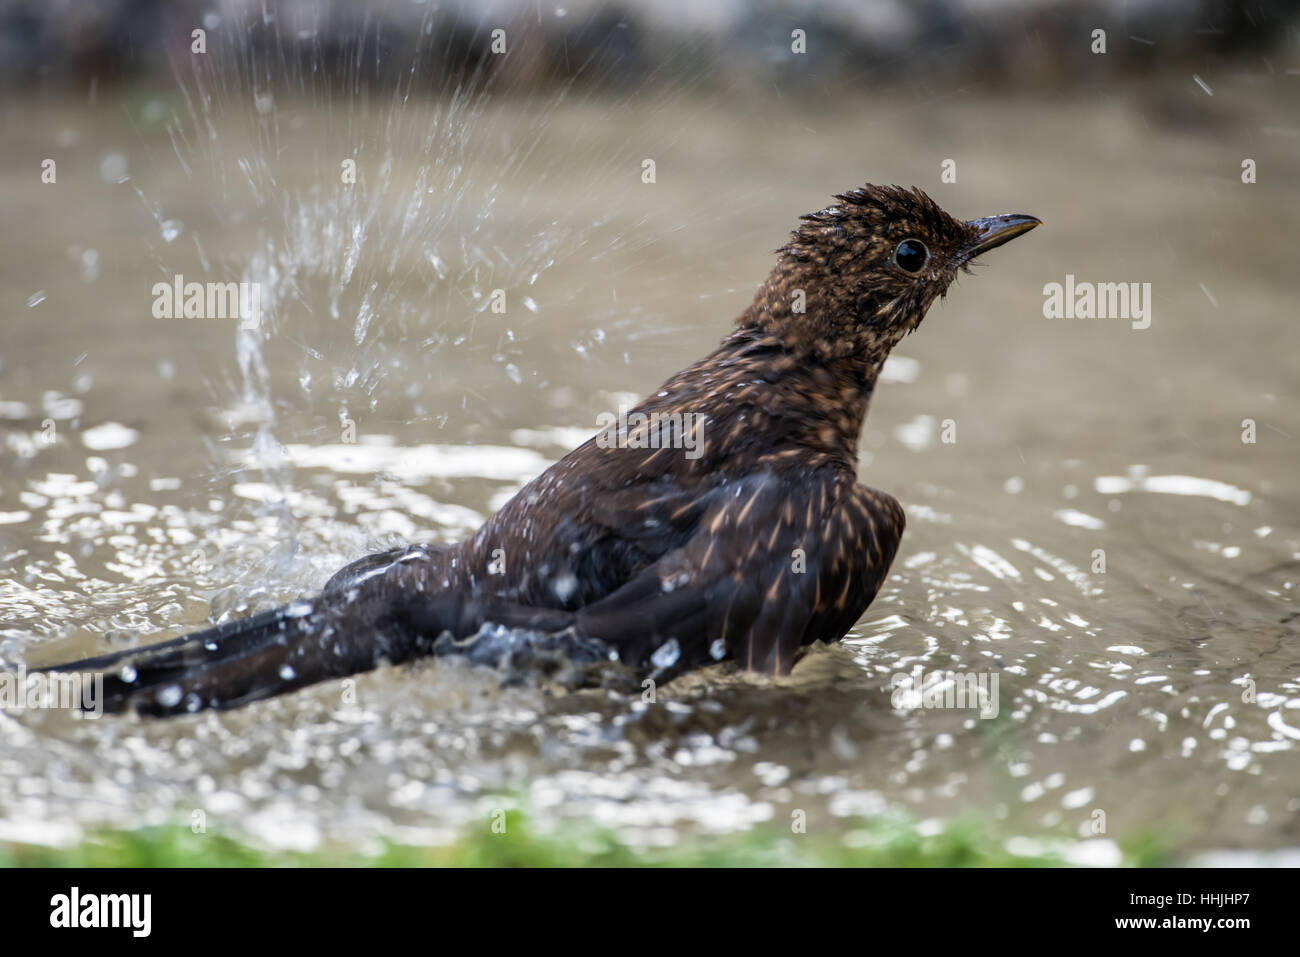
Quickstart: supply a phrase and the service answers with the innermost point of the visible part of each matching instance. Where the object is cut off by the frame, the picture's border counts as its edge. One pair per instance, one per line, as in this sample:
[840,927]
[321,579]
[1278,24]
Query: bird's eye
[911,255]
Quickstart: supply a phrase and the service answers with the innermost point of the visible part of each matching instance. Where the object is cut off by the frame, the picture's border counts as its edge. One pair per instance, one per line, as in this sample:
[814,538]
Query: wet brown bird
[745,536]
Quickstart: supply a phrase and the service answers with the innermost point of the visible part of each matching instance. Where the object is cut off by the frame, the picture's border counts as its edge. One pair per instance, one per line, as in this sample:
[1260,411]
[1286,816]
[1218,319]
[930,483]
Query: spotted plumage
[722,520]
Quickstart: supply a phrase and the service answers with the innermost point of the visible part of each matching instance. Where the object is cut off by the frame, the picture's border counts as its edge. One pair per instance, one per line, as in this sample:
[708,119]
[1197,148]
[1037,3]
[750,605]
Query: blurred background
[1113,533]
[66,43]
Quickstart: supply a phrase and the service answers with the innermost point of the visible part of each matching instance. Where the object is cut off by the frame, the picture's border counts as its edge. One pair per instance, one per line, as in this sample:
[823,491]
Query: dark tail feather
[236,663]
[341,632]
[352,627]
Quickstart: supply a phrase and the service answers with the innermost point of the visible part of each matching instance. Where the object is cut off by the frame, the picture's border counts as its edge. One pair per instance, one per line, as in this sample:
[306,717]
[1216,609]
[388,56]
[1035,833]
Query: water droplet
[298,609]
[666,655]
[35,299]
[287,673]
[564,586]
[513,372]
[170,696]
[171,228]
[90,265]
[438,265]
[113,168]
[718,650]
[128,674]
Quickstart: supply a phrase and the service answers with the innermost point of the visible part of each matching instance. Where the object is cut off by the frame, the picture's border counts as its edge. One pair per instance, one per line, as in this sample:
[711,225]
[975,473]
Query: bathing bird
[720,519]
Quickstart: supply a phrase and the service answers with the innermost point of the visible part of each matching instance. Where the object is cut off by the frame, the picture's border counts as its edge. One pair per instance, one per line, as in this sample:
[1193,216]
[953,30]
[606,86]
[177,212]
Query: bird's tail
[384,615]
[356,623]
[239,662]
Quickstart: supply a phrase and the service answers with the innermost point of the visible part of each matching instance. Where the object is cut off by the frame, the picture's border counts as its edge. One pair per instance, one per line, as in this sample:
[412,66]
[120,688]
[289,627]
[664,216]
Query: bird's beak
[993,231]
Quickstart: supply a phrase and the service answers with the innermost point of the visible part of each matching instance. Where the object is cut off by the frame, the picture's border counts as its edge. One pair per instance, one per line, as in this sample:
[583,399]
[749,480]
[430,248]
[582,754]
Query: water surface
[197,472]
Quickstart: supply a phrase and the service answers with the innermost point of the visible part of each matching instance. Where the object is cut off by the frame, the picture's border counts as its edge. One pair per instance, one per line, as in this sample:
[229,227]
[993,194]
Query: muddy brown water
[157,472]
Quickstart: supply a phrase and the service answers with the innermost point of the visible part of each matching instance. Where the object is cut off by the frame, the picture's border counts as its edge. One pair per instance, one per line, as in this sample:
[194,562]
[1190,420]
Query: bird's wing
[774,564]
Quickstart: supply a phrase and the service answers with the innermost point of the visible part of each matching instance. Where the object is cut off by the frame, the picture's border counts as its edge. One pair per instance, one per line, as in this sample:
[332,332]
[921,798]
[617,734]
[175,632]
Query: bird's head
[858,276]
